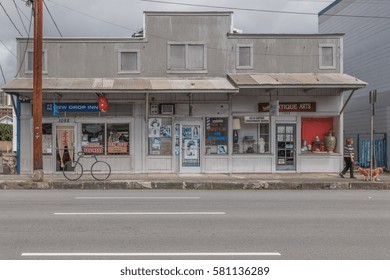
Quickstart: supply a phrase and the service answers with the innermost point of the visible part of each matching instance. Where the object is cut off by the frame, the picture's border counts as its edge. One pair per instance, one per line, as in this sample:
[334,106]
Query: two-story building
[188,95]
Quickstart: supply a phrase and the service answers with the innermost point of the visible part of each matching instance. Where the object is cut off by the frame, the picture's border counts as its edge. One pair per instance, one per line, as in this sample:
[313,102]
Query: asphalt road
[178,224]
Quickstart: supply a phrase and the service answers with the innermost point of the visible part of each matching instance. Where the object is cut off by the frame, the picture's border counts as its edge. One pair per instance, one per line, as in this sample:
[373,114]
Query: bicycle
[73,170]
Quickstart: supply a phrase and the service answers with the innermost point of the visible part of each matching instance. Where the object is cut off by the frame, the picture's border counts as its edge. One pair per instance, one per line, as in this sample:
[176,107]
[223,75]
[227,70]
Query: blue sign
[56,112]
[72,107]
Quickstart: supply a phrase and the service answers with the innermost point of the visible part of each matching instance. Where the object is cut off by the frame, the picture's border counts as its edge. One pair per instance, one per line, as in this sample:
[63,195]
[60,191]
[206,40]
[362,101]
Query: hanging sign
[290,107]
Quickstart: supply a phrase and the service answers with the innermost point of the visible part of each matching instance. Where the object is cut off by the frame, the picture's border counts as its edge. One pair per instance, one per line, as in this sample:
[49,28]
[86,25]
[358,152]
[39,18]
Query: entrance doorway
[65,145]
[187,147]
[285,145]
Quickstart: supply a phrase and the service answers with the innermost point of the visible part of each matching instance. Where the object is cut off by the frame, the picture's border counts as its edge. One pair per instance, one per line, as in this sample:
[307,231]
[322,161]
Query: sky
[121,18]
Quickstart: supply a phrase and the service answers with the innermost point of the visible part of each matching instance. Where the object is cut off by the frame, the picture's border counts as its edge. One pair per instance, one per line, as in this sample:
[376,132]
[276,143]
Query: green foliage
[5,132]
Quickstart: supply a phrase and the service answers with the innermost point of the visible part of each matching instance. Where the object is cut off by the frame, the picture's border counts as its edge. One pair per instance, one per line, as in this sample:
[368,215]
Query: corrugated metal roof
[296,80]
[123,84]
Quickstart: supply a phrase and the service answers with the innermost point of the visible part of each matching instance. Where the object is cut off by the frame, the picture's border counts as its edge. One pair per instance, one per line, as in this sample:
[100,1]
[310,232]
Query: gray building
[188,95]
[366,55]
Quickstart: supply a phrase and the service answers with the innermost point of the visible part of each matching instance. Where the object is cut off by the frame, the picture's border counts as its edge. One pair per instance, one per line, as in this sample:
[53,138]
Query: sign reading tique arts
[290,107]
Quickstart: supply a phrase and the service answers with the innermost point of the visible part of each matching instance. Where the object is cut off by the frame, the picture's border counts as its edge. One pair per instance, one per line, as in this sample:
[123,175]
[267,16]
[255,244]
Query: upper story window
[187,57]
[128,61]
[327,56]
[29,66]
[244,57]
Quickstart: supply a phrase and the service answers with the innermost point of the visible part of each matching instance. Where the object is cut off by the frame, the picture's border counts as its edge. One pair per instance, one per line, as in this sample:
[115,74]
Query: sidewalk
[289,181]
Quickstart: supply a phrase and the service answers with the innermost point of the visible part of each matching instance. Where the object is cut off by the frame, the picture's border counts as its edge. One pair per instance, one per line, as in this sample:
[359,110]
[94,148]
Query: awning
[296,80]
[209,85]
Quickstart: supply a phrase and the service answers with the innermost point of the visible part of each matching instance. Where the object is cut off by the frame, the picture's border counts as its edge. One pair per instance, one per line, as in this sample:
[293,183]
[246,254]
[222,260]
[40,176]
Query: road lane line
[149,254]
[142,213]
[136,197]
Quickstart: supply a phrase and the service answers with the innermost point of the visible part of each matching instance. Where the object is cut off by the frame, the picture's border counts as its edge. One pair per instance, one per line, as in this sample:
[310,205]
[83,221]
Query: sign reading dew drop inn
[290,107]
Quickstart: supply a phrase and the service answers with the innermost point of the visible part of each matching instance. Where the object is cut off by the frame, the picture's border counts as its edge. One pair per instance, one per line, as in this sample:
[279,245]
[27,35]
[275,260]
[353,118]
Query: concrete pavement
[292,181]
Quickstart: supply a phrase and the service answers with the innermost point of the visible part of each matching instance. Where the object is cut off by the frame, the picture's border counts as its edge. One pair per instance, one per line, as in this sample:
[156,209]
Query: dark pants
[348,165]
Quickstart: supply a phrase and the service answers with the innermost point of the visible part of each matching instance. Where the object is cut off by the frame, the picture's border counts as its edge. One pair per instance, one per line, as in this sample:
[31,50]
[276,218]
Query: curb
[193,185]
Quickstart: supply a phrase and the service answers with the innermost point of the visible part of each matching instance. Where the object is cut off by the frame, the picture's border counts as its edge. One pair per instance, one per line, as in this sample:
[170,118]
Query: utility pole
[37,91]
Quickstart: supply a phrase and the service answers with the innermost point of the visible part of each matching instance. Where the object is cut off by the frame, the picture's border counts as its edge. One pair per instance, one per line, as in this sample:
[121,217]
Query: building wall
[366,57]
[95,58]
[98,57]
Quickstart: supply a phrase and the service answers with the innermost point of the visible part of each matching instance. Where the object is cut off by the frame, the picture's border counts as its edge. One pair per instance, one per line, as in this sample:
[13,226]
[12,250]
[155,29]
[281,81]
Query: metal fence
[364,149]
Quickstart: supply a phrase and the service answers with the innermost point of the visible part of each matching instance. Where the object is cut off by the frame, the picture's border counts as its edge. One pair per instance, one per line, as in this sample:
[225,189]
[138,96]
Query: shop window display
[315,132]
[93,139]
[216,138]
[160,136]
[251,135]
[118,139]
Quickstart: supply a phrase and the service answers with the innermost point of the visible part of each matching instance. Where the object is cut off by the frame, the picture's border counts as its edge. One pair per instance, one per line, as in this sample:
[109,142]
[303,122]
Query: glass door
[187,147]
[65,145]
[285,145]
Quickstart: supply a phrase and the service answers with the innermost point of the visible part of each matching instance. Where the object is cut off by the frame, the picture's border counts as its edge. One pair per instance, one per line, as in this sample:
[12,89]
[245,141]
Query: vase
[330,142]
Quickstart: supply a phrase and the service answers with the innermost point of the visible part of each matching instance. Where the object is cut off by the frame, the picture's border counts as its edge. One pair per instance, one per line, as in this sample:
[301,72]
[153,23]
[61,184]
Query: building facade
[367,56]
[188,95]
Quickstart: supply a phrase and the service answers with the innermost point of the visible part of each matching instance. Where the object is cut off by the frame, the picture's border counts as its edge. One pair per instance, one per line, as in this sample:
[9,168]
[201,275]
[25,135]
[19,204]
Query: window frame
[26,63]
[136,71]
[238,66]
[324,67]
[186,68]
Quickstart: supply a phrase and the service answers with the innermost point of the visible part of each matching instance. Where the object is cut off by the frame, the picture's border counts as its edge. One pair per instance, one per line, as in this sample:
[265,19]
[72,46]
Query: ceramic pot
[330,142]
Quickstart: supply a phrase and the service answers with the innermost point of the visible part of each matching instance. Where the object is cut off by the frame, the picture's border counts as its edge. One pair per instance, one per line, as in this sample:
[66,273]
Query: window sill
[187,71]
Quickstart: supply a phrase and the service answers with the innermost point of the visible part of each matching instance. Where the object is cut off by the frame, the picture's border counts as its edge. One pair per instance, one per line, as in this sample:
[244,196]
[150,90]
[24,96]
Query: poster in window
[154,127]
[222,149]
[191,149]
[165,131]
[187,132]
[156,144]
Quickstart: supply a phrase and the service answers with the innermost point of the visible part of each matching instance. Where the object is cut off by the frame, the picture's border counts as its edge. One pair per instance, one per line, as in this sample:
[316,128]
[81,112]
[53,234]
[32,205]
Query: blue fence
[380,152]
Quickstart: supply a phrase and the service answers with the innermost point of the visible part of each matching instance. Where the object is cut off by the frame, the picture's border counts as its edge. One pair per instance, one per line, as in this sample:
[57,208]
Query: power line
[262,10]
[20,17]
[47,9]
[5,11]
[7,48]
[1,68]
[28,40]
[93,17]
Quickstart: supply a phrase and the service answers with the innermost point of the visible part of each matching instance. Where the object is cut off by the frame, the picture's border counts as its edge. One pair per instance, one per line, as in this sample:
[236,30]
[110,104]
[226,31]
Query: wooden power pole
[37,91]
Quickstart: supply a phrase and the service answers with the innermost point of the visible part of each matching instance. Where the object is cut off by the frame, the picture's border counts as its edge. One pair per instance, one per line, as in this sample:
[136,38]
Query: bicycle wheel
[100,170]
[73,170]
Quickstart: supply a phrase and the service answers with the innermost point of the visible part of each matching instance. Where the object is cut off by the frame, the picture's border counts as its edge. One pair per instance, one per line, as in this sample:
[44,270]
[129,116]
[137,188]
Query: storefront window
[160,136]
[118,139]
[251,135]
[216,138]
[93,139]
[314,131]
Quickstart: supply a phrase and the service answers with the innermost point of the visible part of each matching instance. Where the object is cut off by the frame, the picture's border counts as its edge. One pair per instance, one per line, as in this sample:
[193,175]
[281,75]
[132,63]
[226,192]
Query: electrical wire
[5,11]
[93,17]
[47,9]
[7,48]
[1,68]
[28,40]
[261,10]
[20,17]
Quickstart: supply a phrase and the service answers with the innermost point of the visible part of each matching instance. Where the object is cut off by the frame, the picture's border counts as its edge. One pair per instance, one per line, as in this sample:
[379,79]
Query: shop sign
[290,107]
[72,107]
[256,119]
[93,148]
[117,147]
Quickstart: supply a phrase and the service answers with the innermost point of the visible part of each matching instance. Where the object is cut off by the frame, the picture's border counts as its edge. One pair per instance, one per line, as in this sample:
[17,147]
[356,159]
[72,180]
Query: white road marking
[143,213]
[137,197]
[239,177]
[148,254]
